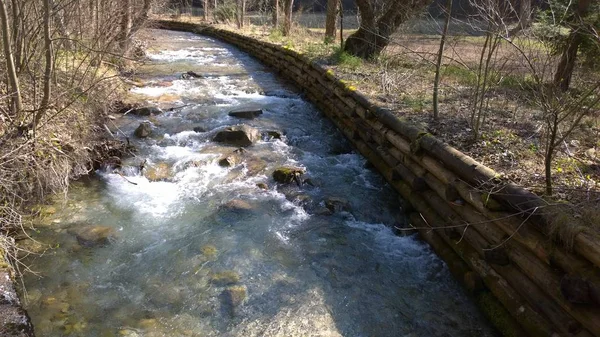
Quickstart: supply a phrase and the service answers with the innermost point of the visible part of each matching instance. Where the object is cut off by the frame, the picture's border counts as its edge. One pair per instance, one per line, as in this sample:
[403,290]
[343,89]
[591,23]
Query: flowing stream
[196,249]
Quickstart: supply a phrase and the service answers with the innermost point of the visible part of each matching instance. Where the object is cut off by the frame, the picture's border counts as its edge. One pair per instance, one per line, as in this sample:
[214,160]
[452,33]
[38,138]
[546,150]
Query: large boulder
[240,135]
[246,113]
[90,236]
[144,130]
[286,175]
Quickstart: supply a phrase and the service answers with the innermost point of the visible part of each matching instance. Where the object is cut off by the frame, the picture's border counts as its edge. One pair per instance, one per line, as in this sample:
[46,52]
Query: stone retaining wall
[524,281]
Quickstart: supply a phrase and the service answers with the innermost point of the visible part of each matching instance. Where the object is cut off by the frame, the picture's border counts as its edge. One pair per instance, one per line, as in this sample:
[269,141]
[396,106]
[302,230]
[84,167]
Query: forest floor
[511,138]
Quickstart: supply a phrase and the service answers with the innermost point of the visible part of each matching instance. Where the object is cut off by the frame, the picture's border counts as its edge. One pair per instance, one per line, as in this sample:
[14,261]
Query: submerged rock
[262,186]
[30,246]
[146,111]
[335,204]
[246,114]
[90,236]
[286,175]
[209,251]
[255,165]
[224,278]
[144,130]
[237,205]
[159,172]
[190,75]
[235,296]
[272,135]
[240,135]
[229,161]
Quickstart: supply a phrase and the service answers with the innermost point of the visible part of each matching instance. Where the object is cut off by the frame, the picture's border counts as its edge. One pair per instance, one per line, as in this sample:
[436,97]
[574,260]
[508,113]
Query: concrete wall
[494,236]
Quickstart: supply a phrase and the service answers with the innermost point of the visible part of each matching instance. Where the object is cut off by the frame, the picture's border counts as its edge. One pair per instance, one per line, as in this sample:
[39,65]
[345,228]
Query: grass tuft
[345,60]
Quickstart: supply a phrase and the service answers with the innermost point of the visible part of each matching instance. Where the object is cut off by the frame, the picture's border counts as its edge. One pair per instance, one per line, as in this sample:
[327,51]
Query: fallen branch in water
[127,180]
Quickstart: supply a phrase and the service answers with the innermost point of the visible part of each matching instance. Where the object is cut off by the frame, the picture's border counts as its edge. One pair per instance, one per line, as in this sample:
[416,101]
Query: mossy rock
[262,186]
[144,130]
[286,175]
[224,278]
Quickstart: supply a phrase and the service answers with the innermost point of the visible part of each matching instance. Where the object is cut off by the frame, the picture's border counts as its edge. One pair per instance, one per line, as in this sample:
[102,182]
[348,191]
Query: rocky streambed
[243,213]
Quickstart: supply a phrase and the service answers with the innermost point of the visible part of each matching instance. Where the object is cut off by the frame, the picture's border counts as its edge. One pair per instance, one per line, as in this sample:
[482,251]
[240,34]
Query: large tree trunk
[364,42]
[276,13]
[375,31]
[566,65]
[13,80]
[331,19]
[287,24]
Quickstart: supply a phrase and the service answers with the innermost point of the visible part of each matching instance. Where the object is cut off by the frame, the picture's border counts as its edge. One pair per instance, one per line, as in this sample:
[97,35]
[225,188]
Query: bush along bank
[531,274]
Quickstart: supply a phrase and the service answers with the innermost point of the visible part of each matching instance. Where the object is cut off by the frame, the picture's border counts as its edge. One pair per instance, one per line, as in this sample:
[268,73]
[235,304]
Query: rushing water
[185,262]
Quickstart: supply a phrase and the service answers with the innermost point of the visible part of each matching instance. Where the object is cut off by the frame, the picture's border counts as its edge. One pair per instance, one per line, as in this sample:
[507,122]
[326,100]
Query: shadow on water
[207,253]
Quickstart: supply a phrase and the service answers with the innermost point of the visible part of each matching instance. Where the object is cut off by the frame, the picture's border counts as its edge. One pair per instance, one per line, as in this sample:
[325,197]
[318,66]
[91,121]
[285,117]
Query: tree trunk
[363,42]
[17,39]
[566,65]
[243,18]
[276,13]
[215,11]
[440,56]
[205,8]
[287,24]
[125,26]
[59,21]
[331,19]
[548,171]
[525,16]
[374,33]
[238,13]
[13,80]
[49,66]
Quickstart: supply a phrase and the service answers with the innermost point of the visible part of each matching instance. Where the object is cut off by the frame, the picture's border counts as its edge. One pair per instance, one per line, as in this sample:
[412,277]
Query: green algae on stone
[286,175]
[224,278]
[209,251]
